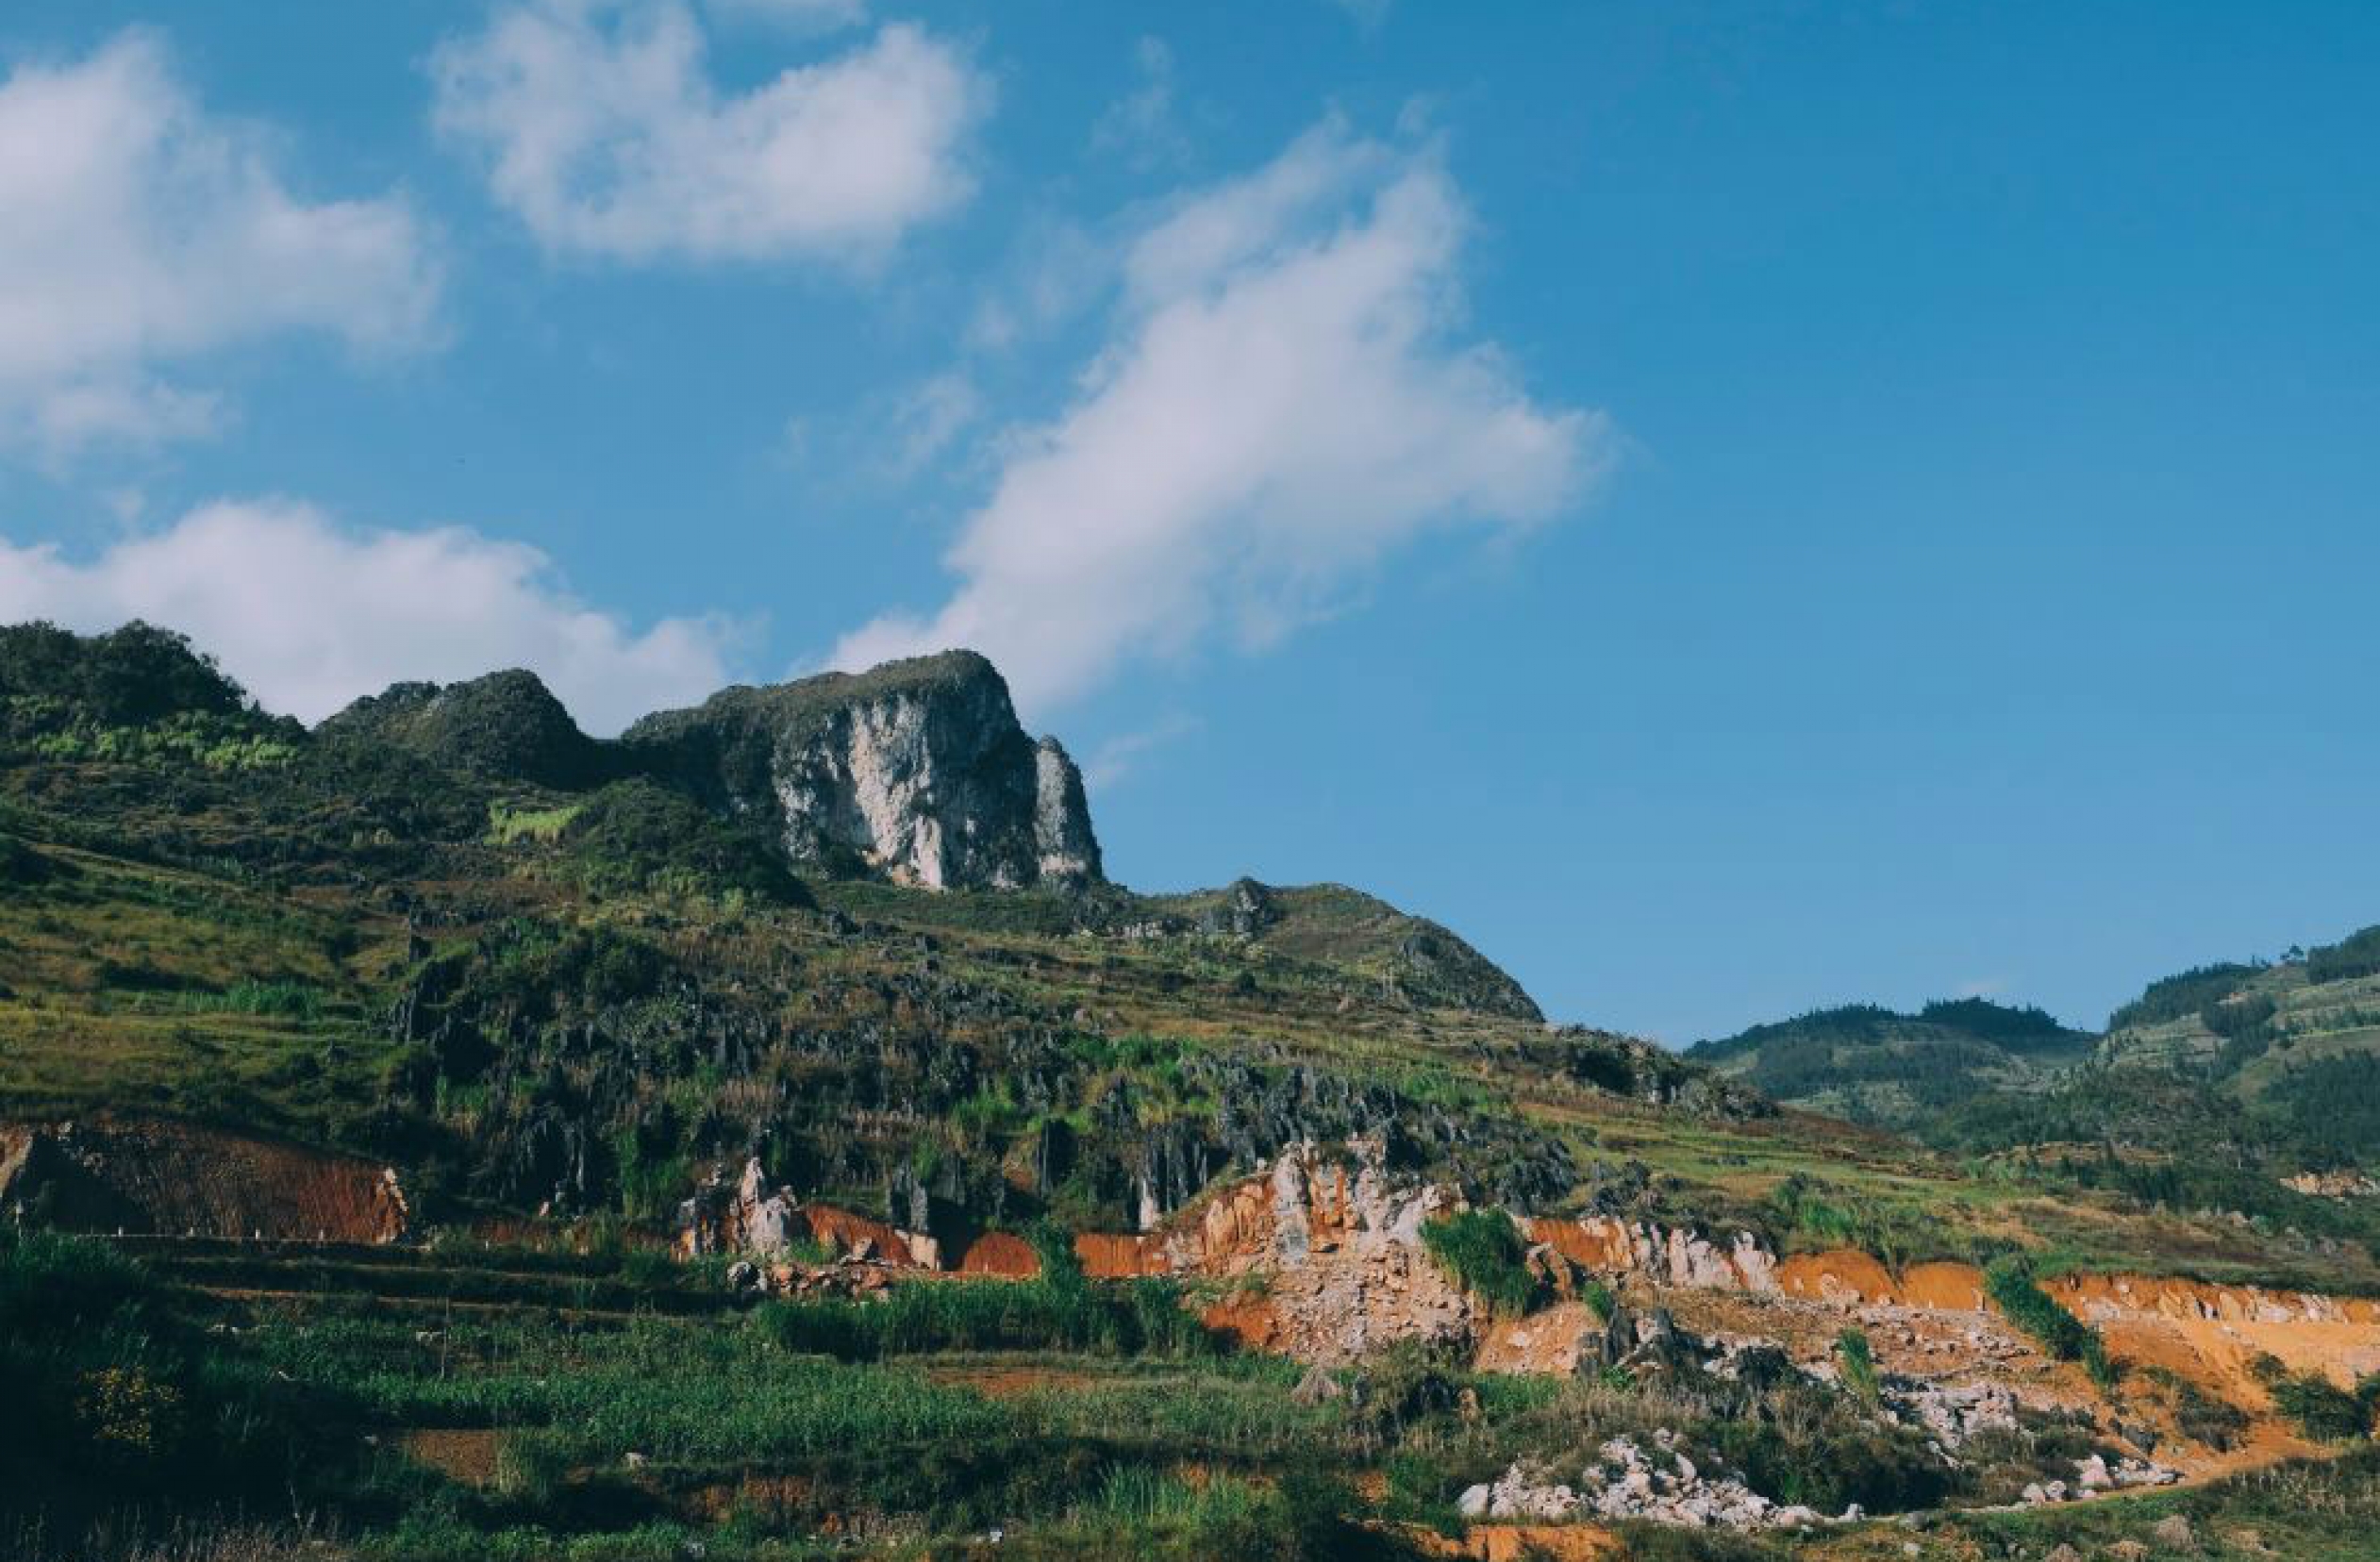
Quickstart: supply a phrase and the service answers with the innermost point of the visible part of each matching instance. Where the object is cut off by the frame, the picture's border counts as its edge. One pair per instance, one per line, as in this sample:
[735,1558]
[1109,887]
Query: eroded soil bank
[149,1175]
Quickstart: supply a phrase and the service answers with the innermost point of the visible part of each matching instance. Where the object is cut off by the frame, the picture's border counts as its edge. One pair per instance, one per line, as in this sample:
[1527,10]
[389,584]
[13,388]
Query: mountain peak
[506,725]
[917,770]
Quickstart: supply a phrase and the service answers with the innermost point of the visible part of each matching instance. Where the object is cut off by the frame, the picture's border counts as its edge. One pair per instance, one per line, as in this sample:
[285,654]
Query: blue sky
[1731,507]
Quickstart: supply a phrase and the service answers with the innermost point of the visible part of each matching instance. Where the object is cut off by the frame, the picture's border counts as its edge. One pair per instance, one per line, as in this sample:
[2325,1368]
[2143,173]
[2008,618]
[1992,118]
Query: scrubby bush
[1121,1318]
[2008,1281]
[2322,1410]
[637,836]
[1858,1364]
[2199,1416]
[113,1403]
[1481,1250]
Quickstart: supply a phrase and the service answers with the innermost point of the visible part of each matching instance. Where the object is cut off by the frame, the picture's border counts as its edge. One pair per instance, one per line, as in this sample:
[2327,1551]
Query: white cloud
[600,127]
[308,615]
[1284,400]
[137,232]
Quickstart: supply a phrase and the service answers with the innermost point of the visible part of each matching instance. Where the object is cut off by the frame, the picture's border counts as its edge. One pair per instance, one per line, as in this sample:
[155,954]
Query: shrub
[1122,1317]
[1481,1250]
[1858,1366]
[634,835]
[2320,1410]
[2201,1417]
[2008,1281]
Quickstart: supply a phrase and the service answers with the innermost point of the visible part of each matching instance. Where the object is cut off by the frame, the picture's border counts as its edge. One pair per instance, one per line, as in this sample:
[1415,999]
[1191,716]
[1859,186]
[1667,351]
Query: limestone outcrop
[1627,1481]
[917,770]
[750,1217]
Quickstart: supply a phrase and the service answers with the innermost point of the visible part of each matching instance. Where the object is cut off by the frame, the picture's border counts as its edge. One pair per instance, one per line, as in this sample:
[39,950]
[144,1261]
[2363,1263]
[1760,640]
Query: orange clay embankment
[151,1175]
[998,1255]
[839,1230]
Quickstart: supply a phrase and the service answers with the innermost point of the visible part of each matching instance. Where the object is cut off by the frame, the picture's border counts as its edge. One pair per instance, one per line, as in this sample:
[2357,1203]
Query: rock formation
[1625,1482]
[917,770]
[508,725]
[750,1217]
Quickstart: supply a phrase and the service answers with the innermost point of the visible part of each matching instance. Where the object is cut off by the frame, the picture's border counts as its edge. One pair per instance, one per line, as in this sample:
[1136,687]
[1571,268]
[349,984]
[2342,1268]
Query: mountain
[506,725]
[856,925]
[916,769]
[2248,1087]
[770,1133]
[1873,1065]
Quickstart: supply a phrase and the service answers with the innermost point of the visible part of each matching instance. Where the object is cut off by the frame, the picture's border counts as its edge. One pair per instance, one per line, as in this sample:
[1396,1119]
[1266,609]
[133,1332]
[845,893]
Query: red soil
[147,1174]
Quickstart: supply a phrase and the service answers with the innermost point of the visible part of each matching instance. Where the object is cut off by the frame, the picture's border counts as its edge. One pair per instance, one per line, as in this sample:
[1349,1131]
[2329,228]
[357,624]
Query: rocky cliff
[917,770]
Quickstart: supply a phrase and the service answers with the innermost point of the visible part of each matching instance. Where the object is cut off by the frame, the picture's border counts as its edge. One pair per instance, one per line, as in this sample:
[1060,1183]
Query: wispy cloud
[139,232]
[1118,757]
[1284,400]
[1144,126]
[927,418]
[599,126]
[308,614]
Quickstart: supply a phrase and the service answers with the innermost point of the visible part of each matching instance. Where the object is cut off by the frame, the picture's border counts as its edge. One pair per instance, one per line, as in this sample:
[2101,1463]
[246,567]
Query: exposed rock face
[917,770]
[1625,1482]
[750,1217]
[1064,848]
[1669,1256]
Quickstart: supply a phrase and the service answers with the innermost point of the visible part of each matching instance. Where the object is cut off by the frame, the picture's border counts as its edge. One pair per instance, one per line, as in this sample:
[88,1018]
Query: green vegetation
[1873,1065]
[635,836]
[1859,1365]
[1125,1317]
[1481,1250]
[2008,1281]
[2202,1418]
[2322,1410]
[2188,992]
[2356,955]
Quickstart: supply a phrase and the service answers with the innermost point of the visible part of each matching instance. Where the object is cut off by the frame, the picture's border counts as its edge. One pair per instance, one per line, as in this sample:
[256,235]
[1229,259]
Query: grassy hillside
[554,991]
[1900,1071]
[578,1000]
[2246,1088]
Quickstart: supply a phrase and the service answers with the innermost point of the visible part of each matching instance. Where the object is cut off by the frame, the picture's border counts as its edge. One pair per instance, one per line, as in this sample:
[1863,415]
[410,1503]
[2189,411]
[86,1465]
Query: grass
[1858,1366]
[1481,1250]
[1121,1318]
[2009,1282]
[509,824]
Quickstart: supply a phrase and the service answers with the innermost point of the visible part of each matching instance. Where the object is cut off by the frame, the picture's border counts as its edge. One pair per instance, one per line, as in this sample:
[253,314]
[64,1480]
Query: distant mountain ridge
[1873,1065]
